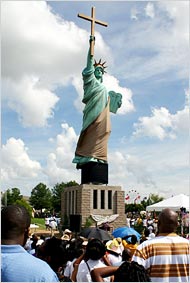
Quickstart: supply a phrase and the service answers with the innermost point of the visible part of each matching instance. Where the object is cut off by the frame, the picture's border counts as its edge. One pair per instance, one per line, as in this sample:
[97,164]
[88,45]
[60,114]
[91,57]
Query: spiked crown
[100,64]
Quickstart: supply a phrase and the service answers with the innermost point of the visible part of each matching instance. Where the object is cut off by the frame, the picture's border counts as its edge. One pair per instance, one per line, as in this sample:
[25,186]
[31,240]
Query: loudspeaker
[75,222]
[93,172]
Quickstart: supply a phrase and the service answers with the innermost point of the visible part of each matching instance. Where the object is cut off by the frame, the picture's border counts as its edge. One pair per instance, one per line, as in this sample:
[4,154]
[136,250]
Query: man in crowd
[165,257]
[17,265]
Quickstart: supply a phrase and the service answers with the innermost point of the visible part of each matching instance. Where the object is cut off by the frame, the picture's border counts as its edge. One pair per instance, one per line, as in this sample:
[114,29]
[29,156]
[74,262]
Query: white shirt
[83,274]
[113,259]
[67,271]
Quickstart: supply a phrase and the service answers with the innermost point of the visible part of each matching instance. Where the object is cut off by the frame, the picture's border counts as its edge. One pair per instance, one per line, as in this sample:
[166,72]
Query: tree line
[41,197]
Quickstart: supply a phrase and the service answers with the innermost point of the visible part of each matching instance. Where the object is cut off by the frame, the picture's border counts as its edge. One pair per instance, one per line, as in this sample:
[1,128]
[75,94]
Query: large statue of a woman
[93,140]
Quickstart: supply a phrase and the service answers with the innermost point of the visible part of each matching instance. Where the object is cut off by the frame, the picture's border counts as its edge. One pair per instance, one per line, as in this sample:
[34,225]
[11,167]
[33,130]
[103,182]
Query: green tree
[22,202]
[41,197]
[11,196]
[56,194]
[153,198]
[133,207]
[56,197]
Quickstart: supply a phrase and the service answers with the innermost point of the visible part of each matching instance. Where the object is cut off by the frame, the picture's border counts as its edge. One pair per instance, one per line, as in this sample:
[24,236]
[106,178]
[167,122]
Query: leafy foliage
[11,196]
[56,194]
[132,207]
[22,202]
[41,197]
[88,222]
[153,198]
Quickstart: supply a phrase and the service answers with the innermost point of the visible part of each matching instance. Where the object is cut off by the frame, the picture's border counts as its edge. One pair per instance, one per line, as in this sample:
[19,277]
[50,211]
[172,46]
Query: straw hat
[113,245]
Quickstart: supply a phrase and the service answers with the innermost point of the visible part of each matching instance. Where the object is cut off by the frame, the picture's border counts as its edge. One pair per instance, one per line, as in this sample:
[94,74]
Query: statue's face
[98,73]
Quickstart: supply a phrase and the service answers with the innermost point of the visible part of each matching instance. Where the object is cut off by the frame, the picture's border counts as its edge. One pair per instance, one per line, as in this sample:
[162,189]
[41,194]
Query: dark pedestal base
[93,172]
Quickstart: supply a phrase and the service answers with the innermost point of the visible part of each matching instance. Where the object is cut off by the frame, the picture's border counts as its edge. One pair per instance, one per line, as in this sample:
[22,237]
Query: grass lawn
[38,221]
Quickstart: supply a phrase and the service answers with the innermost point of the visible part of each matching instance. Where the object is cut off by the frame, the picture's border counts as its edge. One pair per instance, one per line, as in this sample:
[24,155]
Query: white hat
[68,231]
[84,243]
[113,245]
[65,237]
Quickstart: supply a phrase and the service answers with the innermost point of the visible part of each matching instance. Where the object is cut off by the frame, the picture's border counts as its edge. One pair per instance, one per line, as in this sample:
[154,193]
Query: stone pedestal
[79,202]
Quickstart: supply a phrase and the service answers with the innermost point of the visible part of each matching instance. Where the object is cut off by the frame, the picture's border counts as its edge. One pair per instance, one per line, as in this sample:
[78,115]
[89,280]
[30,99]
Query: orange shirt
[130,247]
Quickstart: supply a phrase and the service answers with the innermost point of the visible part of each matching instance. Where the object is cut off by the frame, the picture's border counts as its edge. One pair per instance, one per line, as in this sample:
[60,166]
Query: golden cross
[93,21]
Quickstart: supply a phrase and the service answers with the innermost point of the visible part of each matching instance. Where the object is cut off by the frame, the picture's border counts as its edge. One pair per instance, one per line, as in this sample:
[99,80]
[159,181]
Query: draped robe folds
[96,128]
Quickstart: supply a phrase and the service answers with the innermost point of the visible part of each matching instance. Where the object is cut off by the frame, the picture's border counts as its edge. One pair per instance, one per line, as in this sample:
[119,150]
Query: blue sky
[146,47]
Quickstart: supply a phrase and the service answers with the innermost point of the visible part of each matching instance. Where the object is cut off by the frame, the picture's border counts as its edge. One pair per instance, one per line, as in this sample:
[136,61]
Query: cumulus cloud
[132,168]
[39,44]
[149,10]
[112,83]
[162,124]
[16,162]
[34,104]
[59,163]
[155,126]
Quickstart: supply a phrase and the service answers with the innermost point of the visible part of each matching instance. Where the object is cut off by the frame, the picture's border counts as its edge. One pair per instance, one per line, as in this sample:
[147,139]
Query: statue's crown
[100,64]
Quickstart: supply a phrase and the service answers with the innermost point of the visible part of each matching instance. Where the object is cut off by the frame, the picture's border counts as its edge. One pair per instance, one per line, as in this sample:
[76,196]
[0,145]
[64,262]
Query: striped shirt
[166,257]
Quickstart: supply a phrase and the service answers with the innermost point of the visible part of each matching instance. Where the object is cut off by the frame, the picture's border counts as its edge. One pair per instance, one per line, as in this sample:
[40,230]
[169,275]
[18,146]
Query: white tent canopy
[175,203]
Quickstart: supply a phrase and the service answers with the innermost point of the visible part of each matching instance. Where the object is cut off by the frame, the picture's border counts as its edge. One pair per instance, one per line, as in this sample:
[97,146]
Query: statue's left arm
[115,101]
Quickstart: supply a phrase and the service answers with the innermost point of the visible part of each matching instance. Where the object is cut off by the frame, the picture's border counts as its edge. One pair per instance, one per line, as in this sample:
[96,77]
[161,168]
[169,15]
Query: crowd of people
[52,222]
[163,257]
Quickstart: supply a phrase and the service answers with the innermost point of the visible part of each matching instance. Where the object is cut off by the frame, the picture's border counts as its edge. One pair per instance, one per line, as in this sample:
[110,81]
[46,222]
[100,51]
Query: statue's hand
[92,38]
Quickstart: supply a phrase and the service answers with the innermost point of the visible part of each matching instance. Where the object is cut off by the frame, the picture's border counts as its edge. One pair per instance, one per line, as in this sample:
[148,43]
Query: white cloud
[112,83]
[33,103]
[16,163]
[38,44]
[130,167]
[59,163]
[163,124]
[158,48]
[149,10]
[162,168]
[134,13]
[154,126]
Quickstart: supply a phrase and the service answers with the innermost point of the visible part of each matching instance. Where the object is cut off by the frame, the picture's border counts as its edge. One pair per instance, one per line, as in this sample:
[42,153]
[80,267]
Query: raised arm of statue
[90,58]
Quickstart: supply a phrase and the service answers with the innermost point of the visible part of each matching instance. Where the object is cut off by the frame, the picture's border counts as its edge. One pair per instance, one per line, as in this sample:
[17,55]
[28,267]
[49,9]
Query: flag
[138,197]
[127,197]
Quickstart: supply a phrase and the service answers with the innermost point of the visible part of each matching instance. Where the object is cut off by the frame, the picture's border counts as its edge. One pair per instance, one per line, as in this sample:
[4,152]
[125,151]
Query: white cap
[67,231]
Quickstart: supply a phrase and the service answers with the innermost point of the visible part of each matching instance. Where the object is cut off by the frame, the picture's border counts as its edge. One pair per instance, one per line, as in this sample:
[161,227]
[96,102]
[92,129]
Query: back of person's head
[131,272]
[95,249]
[168,221]
[53,251]
[126,255]
[15,219]
[74,249]
[133,239]
[146,232]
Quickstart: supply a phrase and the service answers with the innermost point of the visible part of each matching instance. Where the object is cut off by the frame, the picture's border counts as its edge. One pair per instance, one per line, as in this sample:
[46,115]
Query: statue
[92,144]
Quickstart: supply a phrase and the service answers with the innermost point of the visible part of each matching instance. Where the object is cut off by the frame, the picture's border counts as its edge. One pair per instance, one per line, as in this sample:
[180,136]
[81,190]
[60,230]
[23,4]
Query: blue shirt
[19,266]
